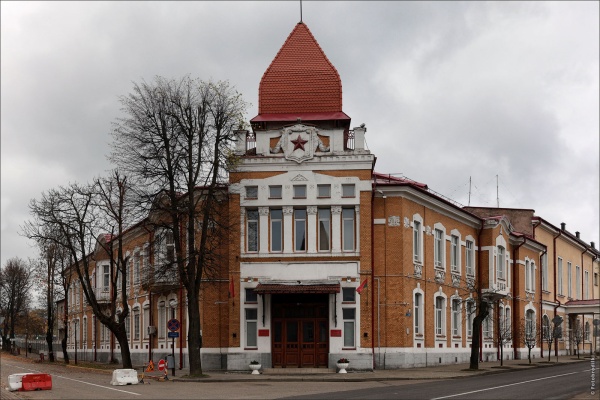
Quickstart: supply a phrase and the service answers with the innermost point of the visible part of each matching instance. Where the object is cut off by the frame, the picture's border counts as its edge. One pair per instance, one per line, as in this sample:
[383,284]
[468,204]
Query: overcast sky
[448,91]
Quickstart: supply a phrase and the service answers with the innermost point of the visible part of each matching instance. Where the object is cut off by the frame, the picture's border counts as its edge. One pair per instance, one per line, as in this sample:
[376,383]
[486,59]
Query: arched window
[417,314]
[545,326]
[439,315]
[530,323]
[587,331]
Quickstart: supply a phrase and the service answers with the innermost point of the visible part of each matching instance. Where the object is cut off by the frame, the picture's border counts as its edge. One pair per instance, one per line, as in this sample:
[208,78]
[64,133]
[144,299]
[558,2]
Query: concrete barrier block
[14,381]
[122,377]
[36,382]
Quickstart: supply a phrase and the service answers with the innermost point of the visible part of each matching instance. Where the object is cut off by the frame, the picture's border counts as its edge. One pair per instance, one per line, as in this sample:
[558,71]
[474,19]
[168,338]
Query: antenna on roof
[300,11]
[497,193]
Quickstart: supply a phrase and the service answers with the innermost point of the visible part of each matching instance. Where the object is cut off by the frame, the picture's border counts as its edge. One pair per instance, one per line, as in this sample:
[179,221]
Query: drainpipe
[582,273]
[513,279]
[541,305]
[555,288]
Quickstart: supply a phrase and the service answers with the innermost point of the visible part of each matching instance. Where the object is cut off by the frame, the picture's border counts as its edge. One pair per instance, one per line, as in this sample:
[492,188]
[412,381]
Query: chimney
[593,245]
[563,226]
[577,234]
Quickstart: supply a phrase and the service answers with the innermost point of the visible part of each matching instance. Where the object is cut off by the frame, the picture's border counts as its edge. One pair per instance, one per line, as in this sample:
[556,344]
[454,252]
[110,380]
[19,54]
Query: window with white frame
[146,322]
[84,331]
[136,267]
[439,316]
[586,285]
[348,190]
[324,191]
[577,282]
[252,230]
[128,326]
[569,279]
[136,323]
[530,322]
[456,317]
[324,215]
[251,327]
[348,232]
[545,272]
[545,327]
[417,242]
[470,317]
[438,248]
[587,331]
[559,277]
[418,317]
[454,253]
[276,230]
[488,325]
[349,317]
[527,276]
[300,229]
[348,295]
[500,262]
[252,192]
[532,279]
[162,319]
[251,296]
[470,257]
[507,322]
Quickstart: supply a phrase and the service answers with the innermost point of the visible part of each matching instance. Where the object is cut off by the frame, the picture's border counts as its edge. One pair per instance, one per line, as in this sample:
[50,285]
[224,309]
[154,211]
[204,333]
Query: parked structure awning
[281,287]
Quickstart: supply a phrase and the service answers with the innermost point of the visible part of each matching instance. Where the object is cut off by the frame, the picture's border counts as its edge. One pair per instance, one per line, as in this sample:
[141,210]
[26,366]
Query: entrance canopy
[283,287]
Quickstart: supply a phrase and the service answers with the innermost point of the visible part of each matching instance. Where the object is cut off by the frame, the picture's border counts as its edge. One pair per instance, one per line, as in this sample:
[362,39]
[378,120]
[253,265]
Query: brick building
[330,259]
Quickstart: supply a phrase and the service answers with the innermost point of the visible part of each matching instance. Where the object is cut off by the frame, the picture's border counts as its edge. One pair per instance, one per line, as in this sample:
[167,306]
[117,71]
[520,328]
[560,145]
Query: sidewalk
[448,371]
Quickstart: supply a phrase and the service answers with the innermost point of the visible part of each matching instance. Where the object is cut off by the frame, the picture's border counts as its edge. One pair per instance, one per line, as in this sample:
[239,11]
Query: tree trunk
[121,336]
[482,313]
[194,337]
[49,338]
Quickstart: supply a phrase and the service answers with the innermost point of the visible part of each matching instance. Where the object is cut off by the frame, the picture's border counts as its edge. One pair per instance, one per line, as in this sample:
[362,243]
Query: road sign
[161,365]
[173,325]
[173,334]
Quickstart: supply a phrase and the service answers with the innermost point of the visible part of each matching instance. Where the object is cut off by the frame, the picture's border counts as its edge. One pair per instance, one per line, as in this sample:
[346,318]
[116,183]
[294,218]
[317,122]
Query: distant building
[331,259]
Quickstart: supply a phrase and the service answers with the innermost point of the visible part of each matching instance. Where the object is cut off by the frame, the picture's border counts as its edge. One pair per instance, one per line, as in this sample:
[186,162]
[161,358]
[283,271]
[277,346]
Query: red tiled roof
[589,302]
[324,116]
[388,179]
[300,78]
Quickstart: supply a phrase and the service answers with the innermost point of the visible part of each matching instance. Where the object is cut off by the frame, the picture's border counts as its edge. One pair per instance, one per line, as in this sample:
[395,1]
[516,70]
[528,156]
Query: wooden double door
[300,330]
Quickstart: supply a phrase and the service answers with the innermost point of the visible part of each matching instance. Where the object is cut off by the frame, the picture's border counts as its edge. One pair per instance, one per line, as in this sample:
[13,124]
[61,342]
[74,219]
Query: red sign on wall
[336,333]
[263,332]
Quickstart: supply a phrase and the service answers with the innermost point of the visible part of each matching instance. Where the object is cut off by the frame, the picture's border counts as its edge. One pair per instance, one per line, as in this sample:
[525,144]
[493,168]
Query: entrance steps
[297,371]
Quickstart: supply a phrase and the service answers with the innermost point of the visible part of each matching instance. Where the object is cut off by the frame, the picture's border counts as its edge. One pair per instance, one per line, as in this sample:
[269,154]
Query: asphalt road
[559,382]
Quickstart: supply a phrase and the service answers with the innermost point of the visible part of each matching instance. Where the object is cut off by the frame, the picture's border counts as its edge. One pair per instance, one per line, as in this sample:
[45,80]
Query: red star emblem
[299,143]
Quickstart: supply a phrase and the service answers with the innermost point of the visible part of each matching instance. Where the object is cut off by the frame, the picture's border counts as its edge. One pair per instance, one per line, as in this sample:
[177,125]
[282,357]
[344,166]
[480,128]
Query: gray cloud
[448,90]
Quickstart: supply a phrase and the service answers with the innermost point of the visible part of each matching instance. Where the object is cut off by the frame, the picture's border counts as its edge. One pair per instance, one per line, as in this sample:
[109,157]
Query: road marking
[510,384]
[76,380]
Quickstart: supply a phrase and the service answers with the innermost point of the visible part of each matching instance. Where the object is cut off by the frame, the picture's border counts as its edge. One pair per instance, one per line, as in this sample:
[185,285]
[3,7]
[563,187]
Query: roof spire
[300,11]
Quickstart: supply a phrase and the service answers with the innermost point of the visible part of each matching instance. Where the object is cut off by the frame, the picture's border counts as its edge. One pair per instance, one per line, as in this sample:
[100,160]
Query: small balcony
[159,280]
[102,295]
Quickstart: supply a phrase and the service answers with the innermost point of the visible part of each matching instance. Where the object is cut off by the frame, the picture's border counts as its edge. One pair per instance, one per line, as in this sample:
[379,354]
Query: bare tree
[503,331]
[175,142]
[551,332]
[15,285]
[577,335]
[529,335]
[76,217]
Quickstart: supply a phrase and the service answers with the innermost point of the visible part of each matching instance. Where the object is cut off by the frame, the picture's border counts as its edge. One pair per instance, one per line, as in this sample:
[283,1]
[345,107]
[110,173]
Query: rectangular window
[454,249]
[105,277]
[251,296]
[252,192]
[455,317]
[438,248]
[595,279]
[527,276]
[487,326]
[162,319]
[470,317]
[146,321]
[252,230]
[500,263]
[348,295]
[586,286]
[545,272]
[439,315]
[559,284]
[299,191]
[578,282]
[324,229]
[569,279]
[300,230]
[417,241]
[251,327]
[276,230]
[417,311]
[136,325]
[84,331]
[136,267]
[324,191]
[348,229]
[470,257]
[128,327]
[348,190]
[349,316]
[275,192]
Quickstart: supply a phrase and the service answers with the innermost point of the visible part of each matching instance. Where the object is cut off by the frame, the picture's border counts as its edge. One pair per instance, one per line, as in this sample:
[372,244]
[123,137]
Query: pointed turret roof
[300,79]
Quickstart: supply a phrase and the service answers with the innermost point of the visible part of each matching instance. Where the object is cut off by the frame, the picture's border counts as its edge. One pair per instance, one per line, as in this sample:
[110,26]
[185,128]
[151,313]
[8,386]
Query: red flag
[362,286]
[231,288]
